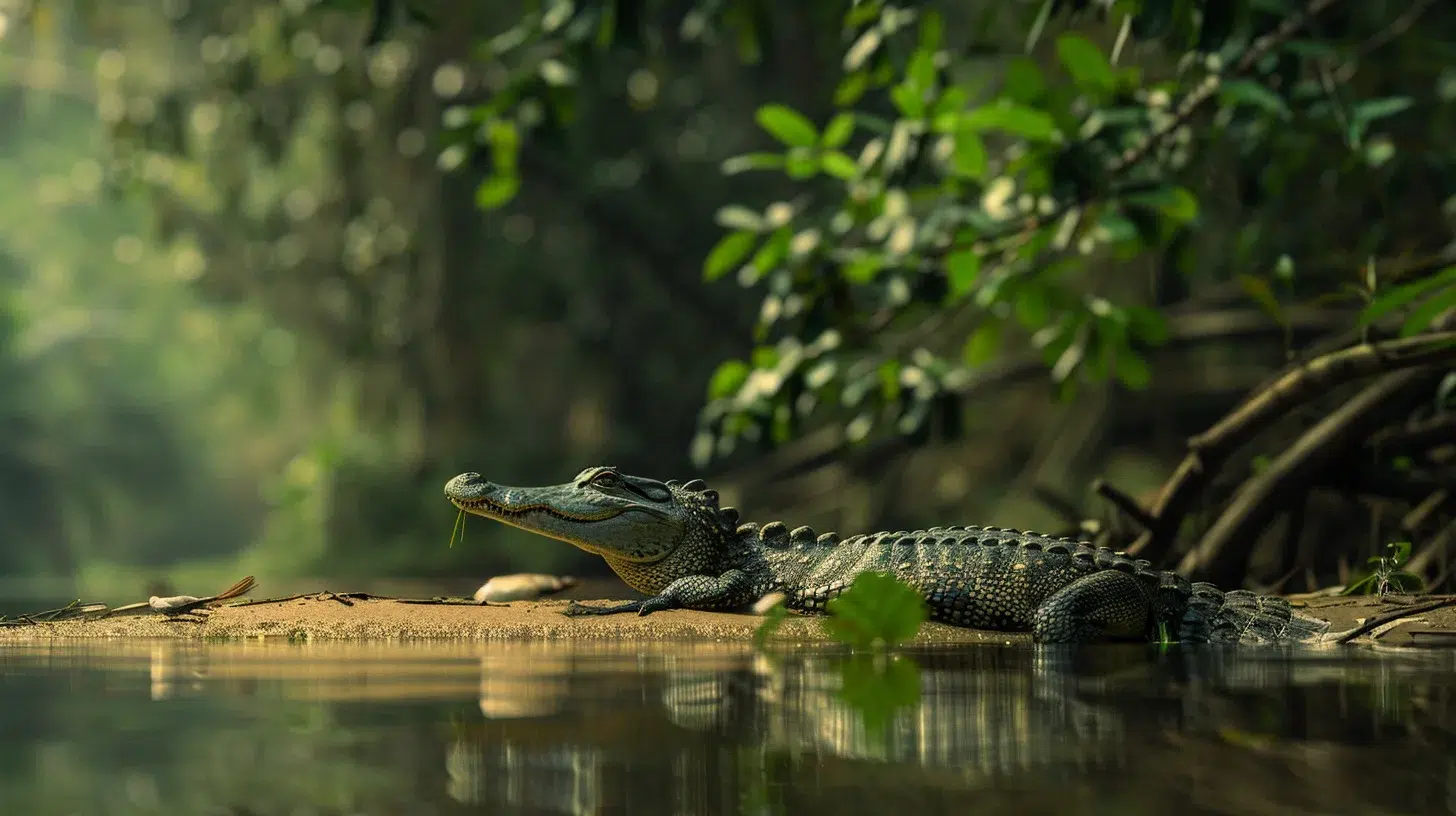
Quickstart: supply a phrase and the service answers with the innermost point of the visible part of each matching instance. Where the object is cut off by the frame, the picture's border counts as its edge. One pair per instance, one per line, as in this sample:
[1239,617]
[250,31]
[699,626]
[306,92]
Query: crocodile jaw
[602,525]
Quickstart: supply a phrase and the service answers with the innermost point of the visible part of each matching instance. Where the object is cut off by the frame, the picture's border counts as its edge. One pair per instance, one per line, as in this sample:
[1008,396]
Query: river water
[606,727]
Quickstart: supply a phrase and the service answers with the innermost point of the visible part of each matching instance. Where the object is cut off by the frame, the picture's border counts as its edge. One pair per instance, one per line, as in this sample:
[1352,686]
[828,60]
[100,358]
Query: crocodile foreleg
[1102,606]
[730,590]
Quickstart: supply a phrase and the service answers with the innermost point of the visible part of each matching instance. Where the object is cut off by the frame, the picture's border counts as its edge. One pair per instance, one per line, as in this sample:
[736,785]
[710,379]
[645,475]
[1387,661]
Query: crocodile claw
[575,610]
[654,604]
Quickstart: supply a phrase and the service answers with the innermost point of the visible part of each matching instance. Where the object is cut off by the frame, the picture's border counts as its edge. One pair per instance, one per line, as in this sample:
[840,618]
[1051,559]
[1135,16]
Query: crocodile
[672,542]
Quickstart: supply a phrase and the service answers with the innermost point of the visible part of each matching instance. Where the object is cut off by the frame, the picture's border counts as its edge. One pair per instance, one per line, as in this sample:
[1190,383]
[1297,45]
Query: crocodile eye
[607,479]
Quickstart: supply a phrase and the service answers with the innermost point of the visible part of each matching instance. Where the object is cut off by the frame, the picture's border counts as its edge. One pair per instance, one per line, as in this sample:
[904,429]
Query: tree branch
[1220,555]
[1417,436]
[1126,504]
[1317,376]
[1209,450]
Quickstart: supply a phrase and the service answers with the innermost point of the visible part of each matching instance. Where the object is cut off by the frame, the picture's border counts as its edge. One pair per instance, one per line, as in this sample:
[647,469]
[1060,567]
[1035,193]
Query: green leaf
[1132,369]
[863,269]
[1174,203]
[1406,293]
[773,250]
[1249,92]
[1400,552]
[982,344]
[1032,306]
[970,155]
[876,611]
[505,144]
[1028,123]
[738,217]
[1023,81]
[839,165]
[838,131]
[932,31]
[909,100]
[963,267]
[865,47]
[1375,109]
[949,106]
[765,357]
[1087,65]
[1422,316]
[801,163]
[729,377]
[1261,293]
[728,253]
[751,161]
[921,71]
[1147,325]
[497,191]
[851,88]
[787,125]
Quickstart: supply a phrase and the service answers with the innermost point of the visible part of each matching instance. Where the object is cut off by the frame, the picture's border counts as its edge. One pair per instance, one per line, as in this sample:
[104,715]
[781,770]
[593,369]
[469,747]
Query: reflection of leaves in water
[877,610]
[877,686]
[760,787]
[773,618]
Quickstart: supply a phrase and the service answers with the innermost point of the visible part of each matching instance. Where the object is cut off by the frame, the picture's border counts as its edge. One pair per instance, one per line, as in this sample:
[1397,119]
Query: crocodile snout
[466,486]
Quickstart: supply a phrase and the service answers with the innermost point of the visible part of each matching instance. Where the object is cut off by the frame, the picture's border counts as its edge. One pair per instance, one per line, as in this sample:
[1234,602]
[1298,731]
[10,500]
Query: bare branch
[1210,449]
[1125,504]
[1220,556]
[1417,436]
[1317,376]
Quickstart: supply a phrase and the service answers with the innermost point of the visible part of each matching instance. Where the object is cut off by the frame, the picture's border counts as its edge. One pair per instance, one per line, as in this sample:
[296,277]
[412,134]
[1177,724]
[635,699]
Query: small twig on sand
[179,604]
[1404,612]
[345,598]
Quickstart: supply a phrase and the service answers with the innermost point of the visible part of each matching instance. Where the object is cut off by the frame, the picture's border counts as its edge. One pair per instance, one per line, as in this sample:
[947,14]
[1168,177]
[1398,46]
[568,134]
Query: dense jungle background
[274,271]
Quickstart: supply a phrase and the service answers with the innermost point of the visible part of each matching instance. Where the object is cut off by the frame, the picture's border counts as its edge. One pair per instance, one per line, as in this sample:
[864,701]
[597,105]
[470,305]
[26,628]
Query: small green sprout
[1384,574]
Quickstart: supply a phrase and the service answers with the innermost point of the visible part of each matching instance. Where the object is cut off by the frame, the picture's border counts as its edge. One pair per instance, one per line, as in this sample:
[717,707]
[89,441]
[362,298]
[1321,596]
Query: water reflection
[707,728]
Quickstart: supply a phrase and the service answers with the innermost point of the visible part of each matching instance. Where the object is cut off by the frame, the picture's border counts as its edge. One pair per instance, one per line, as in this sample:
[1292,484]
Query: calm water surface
[617,727]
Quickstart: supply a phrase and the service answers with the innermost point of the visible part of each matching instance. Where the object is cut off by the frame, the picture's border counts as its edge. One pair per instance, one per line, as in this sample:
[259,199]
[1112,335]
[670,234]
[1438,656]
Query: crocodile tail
[1241,616]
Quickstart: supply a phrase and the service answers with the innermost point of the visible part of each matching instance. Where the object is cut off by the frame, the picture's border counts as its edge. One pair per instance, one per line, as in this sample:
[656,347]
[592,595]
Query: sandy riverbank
[323,618]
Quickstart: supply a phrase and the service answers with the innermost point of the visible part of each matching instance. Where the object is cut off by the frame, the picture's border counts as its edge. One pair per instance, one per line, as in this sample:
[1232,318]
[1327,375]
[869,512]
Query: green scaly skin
[673,543]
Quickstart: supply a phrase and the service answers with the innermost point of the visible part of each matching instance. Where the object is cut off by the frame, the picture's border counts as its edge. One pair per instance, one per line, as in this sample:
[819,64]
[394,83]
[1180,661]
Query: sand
[325,618]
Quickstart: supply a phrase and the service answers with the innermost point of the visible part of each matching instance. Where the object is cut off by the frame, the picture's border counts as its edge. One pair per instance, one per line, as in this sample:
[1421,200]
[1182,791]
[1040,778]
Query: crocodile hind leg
[1106,605]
